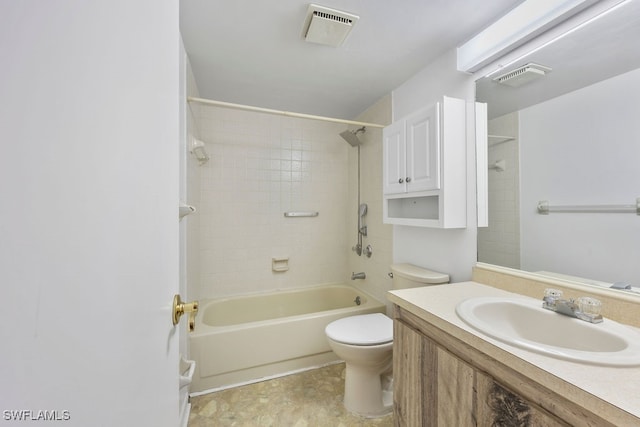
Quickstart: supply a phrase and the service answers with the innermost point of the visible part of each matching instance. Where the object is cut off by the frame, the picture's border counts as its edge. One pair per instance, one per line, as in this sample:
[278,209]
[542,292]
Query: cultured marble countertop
[595,387]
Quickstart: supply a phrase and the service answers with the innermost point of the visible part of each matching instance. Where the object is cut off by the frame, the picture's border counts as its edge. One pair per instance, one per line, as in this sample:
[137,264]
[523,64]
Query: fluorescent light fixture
[523,23]
[602,9]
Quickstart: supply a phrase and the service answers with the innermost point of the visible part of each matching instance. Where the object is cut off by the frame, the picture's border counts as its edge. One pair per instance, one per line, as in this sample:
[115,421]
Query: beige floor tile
[307,399]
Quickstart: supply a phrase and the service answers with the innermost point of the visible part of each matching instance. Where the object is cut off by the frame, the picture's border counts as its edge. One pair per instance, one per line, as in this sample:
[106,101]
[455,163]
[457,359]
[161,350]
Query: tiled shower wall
[500,242]
[261,167]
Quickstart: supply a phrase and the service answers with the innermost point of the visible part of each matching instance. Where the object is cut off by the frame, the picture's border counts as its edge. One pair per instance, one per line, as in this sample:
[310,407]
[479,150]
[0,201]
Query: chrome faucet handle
[589,306]
[551,296]
[589,309]
[552,293]
[357,249]
[368,251]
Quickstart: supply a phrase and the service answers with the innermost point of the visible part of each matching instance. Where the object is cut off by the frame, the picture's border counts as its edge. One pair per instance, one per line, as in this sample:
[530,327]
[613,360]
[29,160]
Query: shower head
[351,136]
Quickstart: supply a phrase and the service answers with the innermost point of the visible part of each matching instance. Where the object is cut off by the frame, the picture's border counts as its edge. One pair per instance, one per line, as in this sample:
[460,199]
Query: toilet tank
[411,276]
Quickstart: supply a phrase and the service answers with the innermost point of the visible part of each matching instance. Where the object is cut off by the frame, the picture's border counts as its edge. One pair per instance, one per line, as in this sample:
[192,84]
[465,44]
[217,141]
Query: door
[423,150]
[88,225]
[394,158]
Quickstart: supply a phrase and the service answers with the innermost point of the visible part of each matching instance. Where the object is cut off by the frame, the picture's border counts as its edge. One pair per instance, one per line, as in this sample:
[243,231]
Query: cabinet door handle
[400,181]
[408,179]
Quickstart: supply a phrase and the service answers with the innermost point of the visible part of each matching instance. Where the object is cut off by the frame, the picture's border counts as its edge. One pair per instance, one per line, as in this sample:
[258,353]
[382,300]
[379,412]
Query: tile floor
[308,399]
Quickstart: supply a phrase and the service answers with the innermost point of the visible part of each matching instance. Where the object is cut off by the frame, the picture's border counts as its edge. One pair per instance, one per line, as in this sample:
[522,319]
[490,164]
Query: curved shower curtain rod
[279,112]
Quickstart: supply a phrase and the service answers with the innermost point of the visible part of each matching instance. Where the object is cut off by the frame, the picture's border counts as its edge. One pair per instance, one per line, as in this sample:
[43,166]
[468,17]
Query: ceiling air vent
[327,26]
[522,75]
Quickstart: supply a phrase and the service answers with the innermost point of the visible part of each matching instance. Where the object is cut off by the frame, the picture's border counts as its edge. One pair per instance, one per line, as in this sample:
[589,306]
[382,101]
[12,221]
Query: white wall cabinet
[412,149]
[424,167]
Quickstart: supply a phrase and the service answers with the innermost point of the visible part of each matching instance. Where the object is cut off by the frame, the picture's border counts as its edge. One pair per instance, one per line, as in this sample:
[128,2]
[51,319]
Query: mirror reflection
[569,136]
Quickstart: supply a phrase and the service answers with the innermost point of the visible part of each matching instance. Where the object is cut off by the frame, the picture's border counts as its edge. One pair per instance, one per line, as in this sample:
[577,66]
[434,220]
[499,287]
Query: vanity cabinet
[424,167]
[441,381]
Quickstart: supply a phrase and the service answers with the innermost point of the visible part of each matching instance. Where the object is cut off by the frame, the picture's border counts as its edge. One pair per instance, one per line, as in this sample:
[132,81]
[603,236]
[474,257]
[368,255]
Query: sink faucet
[584,308]
[355,276]
[621,285]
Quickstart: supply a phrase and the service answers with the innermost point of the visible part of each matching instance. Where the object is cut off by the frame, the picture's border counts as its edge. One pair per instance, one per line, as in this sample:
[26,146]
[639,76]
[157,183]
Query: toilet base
[367,392]
[368,389]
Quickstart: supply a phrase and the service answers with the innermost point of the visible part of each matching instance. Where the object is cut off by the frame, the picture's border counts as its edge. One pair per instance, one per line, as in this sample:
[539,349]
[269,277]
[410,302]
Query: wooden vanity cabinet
[441,381]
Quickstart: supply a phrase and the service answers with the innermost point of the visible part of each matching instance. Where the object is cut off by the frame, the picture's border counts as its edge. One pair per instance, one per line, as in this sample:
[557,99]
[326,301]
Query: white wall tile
[499,243]
[261,167]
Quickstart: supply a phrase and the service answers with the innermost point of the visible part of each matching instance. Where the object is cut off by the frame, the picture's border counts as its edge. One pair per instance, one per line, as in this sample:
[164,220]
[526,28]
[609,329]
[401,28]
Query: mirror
[571,138]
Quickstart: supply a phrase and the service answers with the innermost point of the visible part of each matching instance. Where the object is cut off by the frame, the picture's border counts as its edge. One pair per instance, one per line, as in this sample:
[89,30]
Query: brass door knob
[180,308]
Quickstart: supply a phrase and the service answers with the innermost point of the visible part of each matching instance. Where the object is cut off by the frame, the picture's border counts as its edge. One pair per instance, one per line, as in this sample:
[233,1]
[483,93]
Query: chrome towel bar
[293,214]
[544,208]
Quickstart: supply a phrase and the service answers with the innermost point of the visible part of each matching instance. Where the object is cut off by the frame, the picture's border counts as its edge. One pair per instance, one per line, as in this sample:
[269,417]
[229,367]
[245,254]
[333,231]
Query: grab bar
[544,208]
[300,214]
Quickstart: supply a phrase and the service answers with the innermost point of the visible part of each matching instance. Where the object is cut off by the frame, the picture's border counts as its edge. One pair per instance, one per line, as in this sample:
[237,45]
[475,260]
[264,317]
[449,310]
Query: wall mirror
[570,137]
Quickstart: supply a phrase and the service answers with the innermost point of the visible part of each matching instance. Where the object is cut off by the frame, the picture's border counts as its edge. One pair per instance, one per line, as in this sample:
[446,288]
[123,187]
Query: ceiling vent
[327,26]
[522,75]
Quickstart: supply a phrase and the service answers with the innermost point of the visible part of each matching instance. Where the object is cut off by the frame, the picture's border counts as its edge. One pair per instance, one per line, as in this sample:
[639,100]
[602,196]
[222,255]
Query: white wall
[88,218]
[451,251]
[582,148]
[262,166]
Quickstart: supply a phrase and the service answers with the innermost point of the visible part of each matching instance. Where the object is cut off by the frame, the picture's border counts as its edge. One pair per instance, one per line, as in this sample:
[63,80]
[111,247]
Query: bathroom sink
[524,323]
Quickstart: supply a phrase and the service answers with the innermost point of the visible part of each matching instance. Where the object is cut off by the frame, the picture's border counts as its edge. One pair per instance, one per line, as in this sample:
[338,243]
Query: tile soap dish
[280,264]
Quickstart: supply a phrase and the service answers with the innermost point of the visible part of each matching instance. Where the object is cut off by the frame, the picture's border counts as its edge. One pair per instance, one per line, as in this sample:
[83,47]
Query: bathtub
[243,339]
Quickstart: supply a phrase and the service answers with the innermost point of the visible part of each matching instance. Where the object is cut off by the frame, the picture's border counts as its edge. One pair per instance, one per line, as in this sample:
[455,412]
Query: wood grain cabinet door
[497,406]
[433,387]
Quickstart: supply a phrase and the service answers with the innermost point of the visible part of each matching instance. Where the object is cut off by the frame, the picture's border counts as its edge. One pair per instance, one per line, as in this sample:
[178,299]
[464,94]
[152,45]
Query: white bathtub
[243,339]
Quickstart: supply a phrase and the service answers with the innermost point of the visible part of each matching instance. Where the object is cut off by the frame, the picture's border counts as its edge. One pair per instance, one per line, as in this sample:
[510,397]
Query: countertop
[605,390]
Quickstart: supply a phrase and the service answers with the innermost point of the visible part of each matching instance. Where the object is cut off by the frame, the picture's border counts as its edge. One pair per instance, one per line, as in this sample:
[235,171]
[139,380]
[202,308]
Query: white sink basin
[524,323]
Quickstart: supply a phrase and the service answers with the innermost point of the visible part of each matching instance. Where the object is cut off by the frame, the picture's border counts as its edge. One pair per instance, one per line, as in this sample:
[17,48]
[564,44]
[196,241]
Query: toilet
[365,343]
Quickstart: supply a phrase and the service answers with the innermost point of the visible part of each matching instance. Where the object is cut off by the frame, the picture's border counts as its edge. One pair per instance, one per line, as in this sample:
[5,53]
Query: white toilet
[365,343]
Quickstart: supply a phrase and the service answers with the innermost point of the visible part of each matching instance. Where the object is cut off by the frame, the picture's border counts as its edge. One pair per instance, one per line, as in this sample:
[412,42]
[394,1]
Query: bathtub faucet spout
[355,276]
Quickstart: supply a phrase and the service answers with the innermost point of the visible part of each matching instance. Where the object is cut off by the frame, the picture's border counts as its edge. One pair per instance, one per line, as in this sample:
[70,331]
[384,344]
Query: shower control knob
[408,179]
[400,180]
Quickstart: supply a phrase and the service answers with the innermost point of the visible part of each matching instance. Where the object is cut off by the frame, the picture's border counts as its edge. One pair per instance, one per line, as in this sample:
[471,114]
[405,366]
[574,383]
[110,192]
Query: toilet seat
[364,329]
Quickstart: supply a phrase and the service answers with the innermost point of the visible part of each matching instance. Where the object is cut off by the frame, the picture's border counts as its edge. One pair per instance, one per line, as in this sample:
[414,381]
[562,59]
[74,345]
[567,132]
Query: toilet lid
[364,329]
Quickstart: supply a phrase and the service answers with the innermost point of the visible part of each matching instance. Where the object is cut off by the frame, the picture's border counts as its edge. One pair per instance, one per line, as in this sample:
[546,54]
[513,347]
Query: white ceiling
[252,51]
